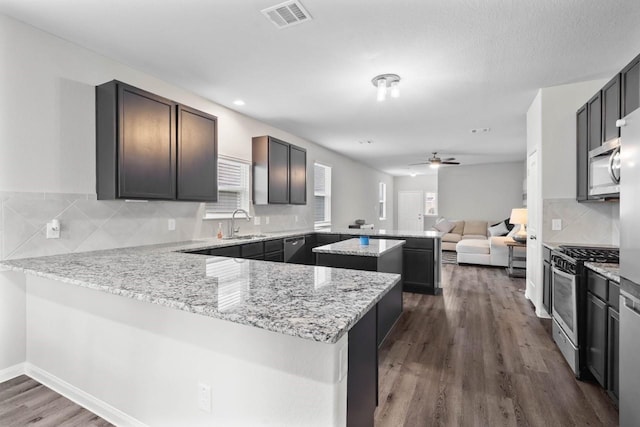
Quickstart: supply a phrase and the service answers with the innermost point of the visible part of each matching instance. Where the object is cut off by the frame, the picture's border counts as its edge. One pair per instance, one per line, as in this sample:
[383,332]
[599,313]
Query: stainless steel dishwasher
[294,249]
[629,365]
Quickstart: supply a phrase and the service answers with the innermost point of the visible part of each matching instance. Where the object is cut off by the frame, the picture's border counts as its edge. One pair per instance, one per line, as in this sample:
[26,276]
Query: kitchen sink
[244,237]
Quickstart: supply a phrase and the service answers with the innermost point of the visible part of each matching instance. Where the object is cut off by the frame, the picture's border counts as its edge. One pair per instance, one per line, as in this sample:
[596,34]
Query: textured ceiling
[464,64]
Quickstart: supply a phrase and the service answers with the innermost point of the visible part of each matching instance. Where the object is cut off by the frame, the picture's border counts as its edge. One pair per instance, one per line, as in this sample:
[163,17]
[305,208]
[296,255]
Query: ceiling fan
[435,161]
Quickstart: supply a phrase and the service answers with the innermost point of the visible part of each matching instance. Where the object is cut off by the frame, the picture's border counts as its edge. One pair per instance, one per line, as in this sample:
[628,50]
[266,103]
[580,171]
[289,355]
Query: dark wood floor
[476,356]
[479,356]
[26,402]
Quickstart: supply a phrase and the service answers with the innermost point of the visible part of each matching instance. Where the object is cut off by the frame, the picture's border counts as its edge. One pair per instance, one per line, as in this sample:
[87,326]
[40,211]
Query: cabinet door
[582,154]
[147,145]
[418,268]
[613,346]
[611,109]
[278,171]
[597,337]
[594,112]
[274,256]
[630,77]
[298,176]
[197,155]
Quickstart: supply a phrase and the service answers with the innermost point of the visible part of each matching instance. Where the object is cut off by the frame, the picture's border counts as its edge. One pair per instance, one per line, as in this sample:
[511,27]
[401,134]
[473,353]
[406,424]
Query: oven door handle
[563,273]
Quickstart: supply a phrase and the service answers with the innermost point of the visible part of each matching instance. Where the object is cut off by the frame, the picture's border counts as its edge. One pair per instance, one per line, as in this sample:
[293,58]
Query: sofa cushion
[444,226]
[475,227]
[474,237]
[473,246]
[451,237]
[459,228]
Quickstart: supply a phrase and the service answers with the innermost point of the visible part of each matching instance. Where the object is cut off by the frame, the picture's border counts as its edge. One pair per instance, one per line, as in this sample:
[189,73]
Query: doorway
[411,210]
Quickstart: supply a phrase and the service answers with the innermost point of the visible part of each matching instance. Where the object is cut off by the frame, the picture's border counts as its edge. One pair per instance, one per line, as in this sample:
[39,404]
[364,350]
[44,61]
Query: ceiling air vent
[287,14]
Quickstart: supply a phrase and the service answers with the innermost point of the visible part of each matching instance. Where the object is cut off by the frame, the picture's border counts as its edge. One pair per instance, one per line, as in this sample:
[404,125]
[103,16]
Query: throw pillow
[444,226]
[513,231]
[506,223]
[499,229]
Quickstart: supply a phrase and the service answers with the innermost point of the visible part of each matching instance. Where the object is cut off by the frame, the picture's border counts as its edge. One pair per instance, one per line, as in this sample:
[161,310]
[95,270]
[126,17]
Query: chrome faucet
[234,230]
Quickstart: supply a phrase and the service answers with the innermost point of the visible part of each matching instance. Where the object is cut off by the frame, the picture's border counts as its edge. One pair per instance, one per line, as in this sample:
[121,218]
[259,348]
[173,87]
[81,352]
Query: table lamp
[519,217]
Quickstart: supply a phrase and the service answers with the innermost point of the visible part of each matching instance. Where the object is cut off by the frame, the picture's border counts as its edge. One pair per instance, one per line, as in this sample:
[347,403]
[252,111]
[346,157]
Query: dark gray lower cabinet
[613,345]
[597,338]
[362,378]
[603,331]
[418,271]
[546,280]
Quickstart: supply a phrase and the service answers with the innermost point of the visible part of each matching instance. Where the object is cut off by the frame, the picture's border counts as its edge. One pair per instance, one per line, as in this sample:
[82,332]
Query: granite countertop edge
[319,326]
[608,270]
[352,250]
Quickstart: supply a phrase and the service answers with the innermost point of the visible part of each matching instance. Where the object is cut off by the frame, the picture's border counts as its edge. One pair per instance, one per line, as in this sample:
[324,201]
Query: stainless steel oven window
[564,302]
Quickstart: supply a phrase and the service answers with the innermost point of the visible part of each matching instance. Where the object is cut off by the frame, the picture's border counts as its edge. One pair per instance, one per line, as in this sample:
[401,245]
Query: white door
[410,210]
[534,286]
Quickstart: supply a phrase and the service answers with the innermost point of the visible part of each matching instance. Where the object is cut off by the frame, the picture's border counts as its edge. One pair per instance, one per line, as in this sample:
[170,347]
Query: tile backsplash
[89,224]
[589,223]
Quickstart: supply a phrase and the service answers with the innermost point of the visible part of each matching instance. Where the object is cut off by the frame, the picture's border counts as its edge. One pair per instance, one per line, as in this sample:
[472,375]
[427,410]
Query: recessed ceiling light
[481,130]
[238,102]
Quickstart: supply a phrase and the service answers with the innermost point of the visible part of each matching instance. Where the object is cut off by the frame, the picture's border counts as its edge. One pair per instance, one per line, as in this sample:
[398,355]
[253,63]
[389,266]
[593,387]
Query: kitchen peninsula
[150,336]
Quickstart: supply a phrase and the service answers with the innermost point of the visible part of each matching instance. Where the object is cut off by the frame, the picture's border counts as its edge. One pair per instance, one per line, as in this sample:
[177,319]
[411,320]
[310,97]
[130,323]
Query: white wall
[480,192]
[147,360]
[12,322]
[47,156]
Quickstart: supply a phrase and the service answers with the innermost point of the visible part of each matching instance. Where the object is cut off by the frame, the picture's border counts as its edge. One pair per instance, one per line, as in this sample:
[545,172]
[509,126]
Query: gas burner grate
[593,254]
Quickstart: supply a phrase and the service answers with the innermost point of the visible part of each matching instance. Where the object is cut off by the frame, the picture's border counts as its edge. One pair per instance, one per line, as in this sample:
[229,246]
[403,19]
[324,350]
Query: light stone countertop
[315,303]
[375,248]
[608,270]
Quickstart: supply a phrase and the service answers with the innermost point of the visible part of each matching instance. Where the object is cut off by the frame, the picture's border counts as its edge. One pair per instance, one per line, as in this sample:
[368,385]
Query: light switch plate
[204,397]
[171,224]
[556,224]
[266,220]
[256,220]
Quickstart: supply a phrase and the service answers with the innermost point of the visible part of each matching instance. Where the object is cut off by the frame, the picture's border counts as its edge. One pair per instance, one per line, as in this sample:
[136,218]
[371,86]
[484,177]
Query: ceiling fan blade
[450,163]
[418,164]
[448,159]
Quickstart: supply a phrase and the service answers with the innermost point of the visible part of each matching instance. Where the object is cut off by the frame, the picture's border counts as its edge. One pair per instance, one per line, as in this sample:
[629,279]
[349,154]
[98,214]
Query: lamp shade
[518,216]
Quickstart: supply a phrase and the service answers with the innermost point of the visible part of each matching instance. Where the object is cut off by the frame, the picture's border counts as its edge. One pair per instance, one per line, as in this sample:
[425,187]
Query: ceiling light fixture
[238,102]
[387,83]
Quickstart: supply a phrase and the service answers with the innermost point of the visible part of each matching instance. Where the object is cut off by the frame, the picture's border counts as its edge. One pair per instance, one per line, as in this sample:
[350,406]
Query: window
[233,188]
[431,203]
[382,201]
[322,195]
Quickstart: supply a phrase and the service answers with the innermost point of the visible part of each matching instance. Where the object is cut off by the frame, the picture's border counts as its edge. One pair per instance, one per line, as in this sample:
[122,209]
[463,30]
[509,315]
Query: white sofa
[489,251]
[474,245]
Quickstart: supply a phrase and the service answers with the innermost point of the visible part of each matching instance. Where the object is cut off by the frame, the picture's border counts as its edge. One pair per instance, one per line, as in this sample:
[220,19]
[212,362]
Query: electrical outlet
[171,224]
[53,229]
[556,224]
[256,220]
[266,220]
[204,397]
[296,218]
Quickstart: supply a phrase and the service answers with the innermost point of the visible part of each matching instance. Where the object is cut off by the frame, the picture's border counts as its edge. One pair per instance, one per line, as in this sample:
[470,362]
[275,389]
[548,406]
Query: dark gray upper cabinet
[197,155]
[582,154]
[630,77]
[279,172]
[149,147]
[594,112]
[611,109]
[297,176]
[135,143]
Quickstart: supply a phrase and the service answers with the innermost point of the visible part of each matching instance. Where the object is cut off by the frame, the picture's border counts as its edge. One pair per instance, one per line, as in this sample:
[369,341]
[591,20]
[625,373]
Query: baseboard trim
[12,372]
[82,398]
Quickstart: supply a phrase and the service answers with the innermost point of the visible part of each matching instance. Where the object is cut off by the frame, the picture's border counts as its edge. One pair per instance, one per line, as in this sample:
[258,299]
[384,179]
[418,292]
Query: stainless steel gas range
[569,299]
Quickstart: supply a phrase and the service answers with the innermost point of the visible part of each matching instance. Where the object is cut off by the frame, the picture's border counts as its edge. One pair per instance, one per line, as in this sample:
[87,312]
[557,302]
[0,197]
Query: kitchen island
[152,336]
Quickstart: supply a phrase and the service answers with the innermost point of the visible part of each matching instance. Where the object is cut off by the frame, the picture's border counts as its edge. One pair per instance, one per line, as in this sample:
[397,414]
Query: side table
[511,270]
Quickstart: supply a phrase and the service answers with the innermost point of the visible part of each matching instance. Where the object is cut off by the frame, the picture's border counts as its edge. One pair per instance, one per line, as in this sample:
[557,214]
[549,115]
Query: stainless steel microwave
[604,170]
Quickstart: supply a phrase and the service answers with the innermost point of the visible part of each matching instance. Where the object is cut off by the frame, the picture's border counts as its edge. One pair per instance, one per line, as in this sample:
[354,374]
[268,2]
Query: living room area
[474,204]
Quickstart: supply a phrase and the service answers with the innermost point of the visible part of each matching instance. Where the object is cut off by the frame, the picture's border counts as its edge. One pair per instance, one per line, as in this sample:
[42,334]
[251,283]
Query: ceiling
[464,64]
